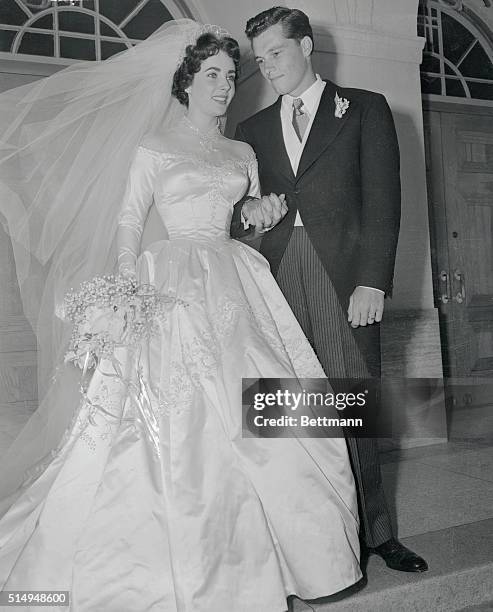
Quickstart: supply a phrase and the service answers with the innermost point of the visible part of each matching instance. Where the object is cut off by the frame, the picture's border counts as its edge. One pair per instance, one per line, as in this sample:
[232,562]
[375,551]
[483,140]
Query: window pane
[430,64]
[106,30]
[436,43]
[481,91]
[37,44]
[431,84]
[477,64]
[147,20]
[45,22]
[455,88]
[150,16]
[422,20]
[11,14]
[6,38]
[116,10]
[456,39]
[109,48]
[72,21]
[77,48]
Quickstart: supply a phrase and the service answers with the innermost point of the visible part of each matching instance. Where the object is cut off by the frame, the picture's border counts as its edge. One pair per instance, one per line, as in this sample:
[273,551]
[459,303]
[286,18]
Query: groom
[333,151]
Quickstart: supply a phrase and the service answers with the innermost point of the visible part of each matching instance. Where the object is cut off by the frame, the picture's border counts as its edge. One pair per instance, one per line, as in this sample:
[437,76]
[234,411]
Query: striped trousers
[314,301]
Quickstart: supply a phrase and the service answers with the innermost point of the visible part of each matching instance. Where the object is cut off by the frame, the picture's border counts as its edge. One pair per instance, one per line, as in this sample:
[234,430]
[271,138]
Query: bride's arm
[135,208]
[262,211]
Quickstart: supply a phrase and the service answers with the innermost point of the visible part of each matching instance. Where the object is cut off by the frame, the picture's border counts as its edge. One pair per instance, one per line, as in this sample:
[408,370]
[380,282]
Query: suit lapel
[275,144]
[325,128]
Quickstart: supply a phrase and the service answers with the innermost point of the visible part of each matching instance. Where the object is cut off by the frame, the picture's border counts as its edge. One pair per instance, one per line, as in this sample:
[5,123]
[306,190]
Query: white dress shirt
[294,148]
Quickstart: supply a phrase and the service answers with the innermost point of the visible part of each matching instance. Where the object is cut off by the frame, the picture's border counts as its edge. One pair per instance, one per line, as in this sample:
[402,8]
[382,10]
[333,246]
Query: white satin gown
[157,503]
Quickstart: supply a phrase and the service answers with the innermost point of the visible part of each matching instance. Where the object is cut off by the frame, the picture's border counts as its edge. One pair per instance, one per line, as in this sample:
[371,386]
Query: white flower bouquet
[110,312]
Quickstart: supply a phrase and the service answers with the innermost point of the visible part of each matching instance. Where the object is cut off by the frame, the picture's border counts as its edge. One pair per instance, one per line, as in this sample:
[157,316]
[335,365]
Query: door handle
[460,296]
[445,295]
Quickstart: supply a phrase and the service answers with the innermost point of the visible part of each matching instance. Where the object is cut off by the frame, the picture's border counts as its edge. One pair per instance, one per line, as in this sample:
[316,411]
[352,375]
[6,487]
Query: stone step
[486,607]
[460,576]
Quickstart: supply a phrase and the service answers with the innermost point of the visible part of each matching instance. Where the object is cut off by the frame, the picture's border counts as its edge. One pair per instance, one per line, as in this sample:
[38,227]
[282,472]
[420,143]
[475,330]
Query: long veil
[66,145]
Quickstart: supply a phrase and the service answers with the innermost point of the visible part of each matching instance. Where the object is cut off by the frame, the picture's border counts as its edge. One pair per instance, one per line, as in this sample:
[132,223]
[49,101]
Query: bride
[141,494]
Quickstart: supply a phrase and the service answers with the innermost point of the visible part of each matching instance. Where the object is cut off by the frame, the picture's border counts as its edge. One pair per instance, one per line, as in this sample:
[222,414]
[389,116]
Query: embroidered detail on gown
[158,503]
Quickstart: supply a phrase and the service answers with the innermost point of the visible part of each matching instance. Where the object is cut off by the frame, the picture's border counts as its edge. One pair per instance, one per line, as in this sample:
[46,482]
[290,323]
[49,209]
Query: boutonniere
[342,104]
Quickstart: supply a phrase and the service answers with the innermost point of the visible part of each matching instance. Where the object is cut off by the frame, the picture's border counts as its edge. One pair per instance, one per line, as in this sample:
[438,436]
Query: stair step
[460,576]
[486,607]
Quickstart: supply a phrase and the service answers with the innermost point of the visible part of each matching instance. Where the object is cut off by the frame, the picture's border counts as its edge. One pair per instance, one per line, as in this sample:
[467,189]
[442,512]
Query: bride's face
[213,87]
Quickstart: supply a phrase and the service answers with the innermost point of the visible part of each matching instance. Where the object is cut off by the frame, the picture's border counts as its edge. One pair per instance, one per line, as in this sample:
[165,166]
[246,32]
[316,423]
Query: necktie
[300,118]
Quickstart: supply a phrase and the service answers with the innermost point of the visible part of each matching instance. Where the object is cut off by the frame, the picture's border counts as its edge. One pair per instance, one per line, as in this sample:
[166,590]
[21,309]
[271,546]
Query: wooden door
[459,156]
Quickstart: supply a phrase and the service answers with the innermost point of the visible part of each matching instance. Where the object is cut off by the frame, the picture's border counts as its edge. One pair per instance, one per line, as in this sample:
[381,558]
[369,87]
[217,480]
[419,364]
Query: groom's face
[284,62]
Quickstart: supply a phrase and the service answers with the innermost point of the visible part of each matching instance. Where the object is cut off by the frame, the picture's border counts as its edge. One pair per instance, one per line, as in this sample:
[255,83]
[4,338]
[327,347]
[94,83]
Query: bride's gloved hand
[127,271]
[127,256]
[264,213]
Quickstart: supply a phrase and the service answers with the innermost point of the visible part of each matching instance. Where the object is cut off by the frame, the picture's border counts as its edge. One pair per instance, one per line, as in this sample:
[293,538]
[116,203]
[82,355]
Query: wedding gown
[168,508]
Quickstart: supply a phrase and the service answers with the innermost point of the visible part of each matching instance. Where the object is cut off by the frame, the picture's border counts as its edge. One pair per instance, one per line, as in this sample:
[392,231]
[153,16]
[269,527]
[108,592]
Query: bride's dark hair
[206,45]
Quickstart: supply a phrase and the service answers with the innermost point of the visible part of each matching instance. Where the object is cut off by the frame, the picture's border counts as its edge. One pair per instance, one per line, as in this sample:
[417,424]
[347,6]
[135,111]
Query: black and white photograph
[246,305]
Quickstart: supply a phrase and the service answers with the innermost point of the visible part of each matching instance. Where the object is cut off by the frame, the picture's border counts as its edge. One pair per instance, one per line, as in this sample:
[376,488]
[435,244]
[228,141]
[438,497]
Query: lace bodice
[194,193]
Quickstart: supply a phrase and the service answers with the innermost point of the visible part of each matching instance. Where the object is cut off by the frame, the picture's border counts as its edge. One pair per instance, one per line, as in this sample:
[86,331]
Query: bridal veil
[66,145]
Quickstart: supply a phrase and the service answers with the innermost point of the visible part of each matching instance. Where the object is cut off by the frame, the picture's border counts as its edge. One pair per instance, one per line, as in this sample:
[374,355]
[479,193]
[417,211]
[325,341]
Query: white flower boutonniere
[342,104]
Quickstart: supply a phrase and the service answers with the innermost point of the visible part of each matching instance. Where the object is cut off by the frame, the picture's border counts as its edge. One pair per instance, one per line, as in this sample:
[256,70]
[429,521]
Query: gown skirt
[153,500]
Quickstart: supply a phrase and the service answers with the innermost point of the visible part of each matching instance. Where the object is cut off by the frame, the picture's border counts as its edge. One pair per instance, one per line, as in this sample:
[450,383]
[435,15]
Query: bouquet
[110,312]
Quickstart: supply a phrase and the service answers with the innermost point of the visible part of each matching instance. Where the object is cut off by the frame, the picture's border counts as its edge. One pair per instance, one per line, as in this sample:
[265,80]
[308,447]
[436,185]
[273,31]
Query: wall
[479,8]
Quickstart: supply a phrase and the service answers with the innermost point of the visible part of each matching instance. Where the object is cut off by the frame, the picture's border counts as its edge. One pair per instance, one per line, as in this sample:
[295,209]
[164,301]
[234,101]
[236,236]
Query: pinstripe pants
[313,299]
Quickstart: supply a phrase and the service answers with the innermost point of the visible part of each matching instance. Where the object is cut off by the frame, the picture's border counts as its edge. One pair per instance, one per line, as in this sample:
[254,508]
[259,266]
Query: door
[459,156]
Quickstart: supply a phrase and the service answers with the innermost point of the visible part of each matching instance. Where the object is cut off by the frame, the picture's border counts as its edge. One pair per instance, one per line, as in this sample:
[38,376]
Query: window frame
[178,9]
[478,38]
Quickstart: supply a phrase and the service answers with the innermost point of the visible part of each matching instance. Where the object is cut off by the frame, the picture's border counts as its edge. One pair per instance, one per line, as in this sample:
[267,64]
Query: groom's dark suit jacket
[347,189]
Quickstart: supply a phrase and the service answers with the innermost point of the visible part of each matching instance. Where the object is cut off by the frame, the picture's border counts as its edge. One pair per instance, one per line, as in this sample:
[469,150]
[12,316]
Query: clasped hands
[265,212]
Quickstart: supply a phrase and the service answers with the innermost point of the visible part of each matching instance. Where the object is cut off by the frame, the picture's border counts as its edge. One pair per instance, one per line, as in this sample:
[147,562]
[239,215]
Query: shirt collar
[310,96]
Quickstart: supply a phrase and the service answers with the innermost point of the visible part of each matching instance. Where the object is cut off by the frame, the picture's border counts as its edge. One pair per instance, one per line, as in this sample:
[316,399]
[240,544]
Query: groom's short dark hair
[295,24]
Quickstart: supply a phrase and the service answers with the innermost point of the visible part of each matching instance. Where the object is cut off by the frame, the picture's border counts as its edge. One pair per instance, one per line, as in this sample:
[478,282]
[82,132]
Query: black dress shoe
[398,557]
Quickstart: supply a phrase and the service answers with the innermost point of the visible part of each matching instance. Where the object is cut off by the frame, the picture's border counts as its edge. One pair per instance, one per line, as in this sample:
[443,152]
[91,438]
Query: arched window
[81,29]
[458,56]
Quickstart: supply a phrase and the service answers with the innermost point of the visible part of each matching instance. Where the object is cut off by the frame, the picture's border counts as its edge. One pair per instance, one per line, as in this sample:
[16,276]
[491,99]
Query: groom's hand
[266,212]
[365,306]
